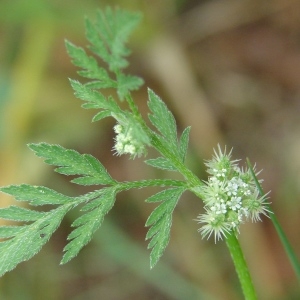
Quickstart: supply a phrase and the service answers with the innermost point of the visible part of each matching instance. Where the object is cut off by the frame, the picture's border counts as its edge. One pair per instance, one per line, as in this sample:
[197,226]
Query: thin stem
[127,185]
[241,267]
[282,236]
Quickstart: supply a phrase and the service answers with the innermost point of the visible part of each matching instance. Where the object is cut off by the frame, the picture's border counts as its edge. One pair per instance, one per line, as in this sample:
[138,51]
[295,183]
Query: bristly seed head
[230,196]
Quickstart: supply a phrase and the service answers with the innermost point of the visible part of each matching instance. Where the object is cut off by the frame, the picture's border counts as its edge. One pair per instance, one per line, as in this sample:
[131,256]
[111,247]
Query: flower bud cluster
[125,143]
[230,196]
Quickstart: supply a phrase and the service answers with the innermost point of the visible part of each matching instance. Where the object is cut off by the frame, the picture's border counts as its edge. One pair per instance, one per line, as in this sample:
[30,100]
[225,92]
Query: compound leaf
[88,223]
[160,221]
[26,241]
[89,65]
[109,35]
[71,162]
[93,98]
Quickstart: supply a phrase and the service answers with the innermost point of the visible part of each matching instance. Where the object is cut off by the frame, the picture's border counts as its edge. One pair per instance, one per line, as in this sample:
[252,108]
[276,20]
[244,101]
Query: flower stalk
[231,197]
[241,267]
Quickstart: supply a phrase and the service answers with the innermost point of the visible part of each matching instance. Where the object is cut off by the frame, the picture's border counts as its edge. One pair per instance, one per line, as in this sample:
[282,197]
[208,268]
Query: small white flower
[219,208]
[256,206]
[235,203]
[129,149]
[230,196]
[243,212]
[118,128]
[126,144]
[214,224]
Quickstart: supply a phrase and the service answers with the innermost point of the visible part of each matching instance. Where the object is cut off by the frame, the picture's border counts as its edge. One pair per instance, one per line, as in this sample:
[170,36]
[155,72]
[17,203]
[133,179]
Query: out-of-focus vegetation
[230,69]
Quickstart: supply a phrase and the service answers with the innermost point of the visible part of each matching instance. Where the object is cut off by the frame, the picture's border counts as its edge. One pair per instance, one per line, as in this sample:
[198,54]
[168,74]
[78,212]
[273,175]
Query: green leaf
[17,213]
[88,223]
[101,115]
[127,83]
[164,195]
[109,35]
[158,212]
[71,162]
[160,221]
[160,163]
[29,239]
[159,238]
[35,195]
[10,231]
[163,120]
[184,143]
[154,229]
[90,66]
[93,98]
[96,84]
[98,45]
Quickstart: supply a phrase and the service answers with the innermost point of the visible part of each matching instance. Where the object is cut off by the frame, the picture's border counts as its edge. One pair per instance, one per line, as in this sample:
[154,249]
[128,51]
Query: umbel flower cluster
[230,196]
[126,143]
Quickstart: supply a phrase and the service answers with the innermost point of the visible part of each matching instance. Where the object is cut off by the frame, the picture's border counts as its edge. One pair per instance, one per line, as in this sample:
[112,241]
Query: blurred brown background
[230,69]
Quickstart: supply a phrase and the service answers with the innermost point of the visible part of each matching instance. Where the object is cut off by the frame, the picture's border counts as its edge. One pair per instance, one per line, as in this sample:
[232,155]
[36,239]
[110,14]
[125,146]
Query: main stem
[241,266]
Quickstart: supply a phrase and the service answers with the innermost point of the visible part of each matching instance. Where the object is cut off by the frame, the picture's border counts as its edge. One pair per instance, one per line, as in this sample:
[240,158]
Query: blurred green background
[230,69]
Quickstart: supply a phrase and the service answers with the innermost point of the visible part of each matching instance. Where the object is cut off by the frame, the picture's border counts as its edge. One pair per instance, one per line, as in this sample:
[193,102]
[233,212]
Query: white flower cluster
[230,196]
[125,142]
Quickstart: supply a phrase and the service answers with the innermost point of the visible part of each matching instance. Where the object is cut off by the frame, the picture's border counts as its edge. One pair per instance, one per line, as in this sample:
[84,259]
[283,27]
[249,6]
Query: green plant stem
[241,266]
[127,185]
[282,236]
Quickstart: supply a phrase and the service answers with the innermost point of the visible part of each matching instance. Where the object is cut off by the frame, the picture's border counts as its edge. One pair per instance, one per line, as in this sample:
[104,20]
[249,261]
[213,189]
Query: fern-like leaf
[90,66]
[160,221]
[88,223]
[95,99]
[109,35]
[25,241]
[163,120]
[71,162]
